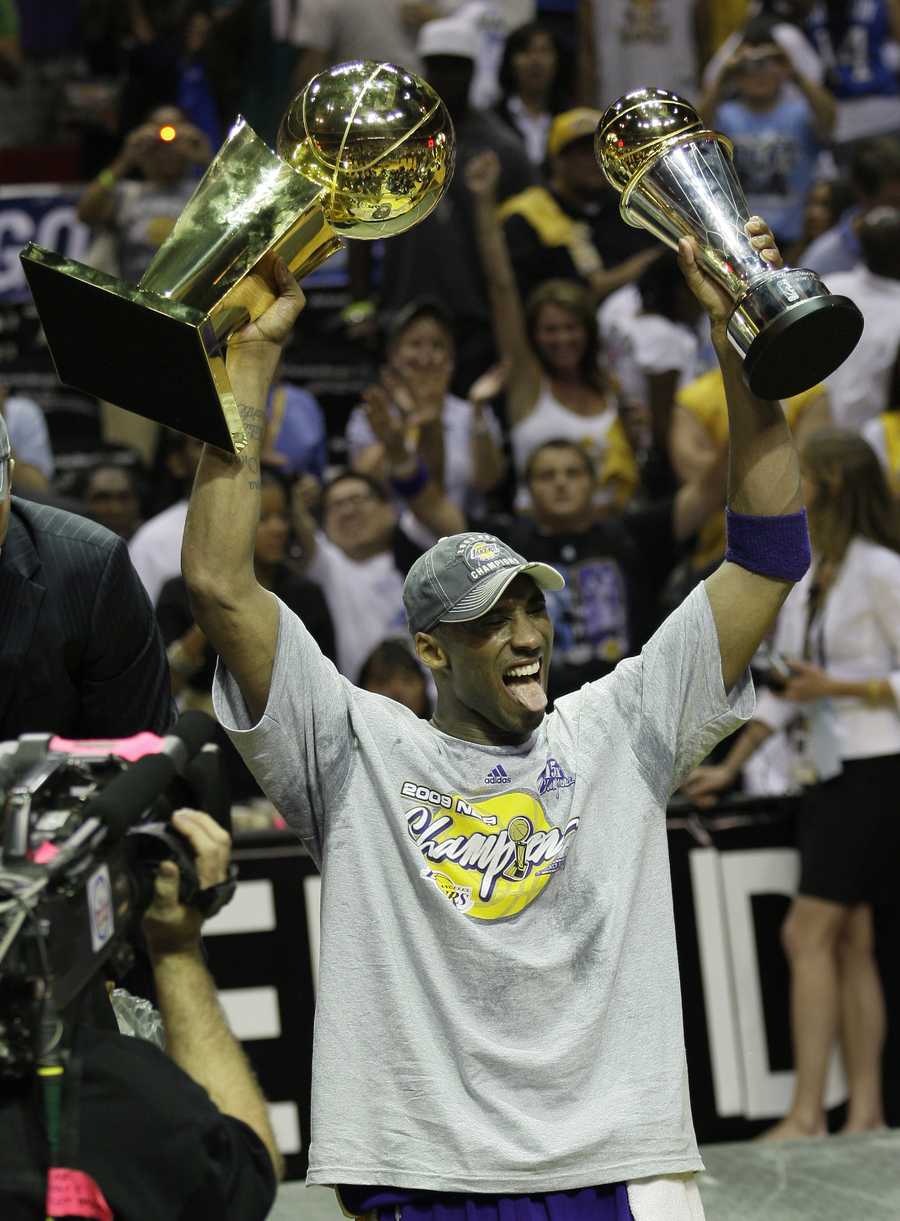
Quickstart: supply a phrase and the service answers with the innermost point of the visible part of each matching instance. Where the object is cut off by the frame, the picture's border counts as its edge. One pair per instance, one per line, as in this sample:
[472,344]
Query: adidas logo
[497,775]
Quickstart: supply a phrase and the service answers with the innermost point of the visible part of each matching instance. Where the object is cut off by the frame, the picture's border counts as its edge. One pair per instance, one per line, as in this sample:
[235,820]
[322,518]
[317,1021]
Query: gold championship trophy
[677,179]
[366,150]
[519,831]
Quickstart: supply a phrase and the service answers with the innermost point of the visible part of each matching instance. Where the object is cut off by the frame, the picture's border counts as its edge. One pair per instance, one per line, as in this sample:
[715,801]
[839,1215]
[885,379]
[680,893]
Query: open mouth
[524,672]
[523,682]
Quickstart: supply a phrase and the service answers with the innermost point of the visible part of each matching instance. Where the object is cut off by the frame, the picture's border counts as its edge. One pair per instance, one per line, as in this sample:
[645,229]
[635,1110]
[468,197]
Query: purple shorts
[607,1203]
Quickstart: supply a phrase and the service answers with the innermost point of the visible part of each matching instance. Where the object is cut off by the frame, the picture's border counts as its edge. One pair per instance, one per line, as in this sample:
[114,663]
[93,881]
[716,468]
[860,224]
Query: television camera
[85,826]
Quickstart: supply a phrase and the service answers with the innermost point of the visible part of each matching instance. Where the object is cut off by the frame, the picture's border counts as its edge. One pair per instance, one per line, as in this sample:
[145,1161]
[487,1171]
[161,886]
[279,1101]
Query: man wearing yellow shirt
[571,228]
[700,430]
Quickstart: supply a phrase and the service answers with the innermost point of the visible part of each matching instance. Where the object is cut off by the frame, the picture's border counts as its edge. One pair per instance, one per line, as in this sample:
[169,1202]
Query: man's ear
[431,652]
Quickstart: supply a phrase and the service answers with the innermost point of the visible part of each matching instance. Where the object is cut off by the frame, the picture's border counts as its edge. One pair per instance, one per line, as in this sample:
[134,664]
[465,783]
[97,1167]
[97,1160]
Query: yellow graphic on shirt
[490,857]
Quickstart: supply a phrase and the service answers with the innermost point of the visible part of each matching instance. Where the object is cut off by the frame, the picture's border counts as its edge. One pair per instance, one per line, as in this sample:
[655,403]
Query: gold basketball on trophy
[637,128]
[378,139]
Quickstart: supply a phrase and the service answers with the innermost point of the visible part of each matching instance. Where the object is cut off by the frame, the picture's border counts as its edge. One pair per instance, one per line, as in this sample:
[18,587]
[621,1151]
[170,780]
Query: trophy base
[792,333]
[134,348]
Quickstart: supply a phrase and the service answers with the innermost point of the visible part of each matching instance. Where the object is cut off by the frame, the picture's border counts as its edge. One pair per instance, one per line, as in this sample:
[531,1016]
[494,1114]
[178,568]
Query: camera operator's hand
[171,927]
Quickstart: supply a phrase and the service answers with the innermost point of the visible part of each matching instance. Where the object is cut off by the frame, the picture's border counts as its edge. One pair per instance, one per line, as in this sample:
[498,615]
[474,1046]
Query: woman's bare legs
[811,934]
[862,1020]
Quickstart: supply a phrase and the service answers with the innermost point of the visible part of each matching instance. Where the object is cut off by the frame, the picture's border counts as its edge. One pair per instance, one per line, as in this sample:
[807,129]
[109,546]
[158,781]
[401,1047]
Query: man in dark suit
[80,651]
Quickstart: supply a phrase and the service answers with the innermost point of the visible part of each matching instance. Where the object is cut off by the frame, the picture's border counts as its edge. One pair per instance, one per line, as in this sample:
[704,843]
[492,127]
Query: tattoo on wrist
[251,466]
[253,420]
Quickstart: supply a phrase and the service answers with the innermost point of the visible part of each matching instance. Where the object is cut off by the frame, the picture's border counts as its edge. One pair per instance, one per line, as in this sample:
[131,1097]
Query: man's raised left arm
[767,528]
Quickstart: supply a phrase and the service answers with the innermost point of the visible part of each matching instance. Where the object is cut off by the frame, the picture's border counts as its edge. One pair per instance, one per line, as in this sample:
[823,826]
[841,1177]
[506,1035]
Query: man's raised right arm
[239,616]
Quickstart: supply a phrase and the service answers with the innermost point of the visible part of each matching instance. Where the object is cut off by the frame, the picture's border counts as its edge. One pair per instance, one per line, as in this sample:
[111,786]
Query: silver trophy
[677,179]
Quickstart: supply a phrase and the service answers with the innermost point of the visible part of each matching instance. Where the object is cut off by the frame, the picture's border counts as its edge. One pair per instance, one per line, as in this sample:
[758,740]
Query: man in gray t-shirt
[499,1009]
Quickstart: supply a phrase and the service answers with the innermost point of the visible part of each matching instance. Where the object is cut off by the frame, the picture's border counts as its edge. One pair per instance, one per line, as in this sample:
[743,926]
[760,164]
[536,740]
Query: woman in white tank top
[554,386]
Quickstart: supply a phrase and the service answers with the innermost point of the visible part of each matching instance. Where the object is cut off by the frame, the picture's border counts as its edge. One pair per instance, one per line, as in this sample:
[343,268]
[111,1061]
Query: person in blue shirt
[777,131]
[875,179]
[852,37]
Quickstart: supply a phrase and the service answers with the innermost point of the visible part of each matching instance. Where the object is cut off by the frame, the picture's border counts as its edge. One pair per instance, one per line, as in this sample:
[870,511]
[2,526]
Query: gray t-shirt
[499,1006]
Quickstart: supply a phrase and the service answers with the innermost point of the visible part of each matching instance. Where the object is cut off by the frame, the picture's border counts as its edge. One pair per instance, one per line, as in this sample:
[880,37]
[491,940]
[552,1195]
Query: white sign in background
[45,214]
[724,884]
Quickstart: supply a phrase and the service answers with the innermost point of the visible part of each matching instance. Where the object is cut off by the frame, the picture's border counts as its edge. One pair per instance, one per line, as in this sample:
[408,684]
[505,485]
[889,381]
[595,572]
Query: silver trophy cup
[677,179]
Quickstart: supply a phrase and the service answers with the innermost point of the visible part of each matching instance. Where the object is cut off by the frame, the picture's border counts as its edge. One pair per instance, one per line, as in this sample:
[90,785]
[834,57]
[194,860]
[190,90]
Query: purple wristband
[776,547]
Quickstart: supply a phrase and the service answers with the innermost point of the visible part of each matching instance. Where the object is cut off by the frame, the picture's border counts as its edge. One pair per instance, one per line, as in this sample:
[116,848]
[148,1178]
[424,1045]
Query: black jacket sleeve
[125,680]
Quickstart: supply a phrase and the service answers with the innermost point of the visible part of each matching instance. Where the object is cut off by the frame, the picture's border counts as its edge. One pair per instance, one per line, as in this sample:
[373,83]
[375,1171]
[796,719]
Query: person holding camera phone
[132,206]
[777,131]
[840,634]
[138,213]
[148,1134]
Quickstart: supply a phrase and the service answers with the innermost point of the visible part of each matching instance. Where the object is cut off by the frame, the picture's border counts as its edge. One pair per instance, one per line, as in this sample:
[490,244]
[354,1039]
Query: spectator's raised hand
[193,143]
[482,175]
[138,144]
[734,64]
[419,396]
[390,427]
[489,385]
[306,492]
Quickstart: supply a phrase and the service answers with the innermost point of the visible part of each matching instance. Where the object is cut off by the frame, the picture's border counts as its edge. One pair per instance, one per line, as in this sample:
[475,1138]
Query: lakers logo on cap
[480,553]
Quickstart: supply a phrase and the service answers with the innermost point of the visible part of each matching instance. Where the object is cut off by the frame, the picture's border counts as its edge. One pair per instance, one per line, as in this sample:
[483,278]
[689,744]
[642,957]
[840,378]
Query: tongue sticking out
[529,693]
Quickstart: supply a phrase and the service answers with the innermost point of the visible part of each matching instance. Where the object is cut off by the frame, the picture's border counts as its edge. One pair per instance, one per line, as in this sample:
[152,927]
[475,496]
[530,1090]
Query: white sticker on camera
[100,908]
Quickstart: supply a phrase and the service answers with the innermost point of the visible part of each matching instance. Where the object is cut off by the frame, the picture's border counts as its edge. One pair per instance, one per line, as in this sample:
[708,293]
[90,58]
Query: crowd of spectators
[542,373]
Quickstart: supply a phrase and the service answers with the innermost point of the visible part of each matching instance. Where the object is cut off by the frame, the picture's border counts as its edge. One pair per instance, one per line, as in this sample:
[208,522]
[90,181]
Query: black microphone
[122,802]
[127,796]
[208,781]
[192,731]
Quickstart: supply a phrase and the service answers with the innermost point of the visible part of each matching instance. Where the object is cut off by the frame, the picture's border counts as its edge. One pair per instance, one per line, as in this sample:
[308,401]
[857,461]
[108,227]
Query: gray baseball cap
[462,576]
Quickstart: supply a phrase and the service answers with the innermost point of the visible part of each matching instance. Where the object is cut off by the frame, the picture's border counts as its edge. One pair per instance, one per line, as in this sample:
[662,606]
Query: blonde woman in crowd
[839,633]
[555,386]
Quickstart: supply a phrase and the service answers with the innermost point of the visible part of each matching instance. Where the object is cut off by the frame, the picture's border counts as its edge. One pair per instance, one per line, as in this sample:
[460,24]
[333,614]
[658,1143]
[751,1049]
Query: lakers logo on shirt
[491,857]
[459,896]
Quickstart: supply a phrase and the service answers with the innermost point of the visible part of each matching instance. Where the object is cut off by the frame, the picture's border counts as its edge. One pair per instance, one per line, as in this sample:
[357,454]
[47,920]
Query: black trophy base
[132,348]
[801,346]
